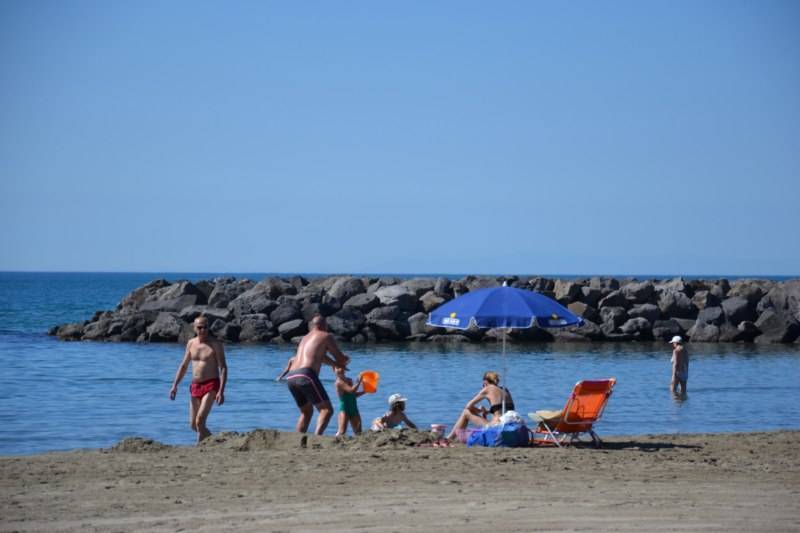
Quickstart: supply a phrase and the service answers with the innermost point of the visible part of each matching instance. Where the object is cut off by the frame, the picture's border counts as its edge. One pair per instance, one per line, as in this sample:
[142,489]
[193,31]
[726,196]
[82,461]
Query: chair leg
[552,436]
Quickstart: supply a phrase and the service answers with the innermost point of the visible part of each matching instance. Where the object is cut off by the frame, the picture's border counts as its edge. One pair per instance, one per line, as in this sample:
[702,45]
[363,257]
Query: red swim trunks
[198,389]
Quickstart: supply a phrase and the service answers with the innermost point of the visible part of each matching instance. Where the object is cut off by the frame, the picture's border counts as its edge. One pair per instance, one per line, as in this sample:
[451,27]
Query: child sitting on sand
[348,408]
[395,416]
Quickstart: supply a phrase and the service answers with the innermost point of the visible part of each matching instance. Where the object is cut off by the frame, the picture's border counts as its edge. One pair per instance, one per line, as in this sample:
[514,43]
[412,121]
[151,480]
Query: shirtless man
[303,375]
[209,374]
[680,366]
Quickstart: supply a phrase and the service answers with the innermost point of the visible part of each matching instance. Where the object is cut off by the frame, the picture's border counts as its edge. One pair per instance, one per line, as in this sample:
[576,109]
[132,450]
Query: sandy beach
[265,481]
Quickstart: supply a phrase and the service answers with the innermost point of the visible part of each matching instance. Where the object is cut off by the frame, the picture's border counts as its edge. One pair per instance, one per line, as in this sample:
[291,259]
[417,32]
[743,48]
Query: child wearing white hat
[394,416]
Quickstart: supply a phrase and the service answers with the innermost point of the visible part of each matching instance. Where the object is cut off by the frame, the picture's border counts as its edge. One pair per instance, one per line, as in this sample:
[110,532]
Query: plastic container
[369,379]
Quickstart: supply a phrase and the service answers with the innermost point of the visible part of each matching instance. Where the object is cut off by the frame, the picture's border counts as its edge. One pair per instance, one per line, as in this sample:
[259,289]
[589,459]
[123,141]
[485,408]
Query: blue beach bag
[509,435]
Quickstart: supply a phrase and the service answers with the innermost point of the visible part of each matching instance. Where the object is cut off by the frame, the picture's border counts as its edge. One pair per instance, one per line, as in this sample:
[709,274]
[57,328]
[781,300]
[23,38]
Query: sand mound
[139,445]
[391,438]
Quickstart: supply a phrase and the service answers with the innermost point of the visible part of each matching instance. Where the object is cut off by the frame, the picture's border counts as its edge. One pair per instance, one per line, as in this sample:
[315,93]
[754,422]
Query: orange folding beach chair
[583,410]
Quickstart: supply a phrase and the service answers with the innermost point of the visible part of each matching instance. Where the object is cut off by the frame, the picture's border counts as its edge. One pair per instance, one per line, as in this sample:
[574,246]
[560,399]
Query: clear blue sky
[449,137]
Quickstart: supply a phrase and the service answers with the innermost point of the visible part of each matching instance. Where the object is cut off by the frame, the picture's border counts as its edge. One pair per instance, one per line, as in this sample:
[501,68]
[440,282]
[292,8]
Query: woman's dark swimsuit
[498,407]
[305,386]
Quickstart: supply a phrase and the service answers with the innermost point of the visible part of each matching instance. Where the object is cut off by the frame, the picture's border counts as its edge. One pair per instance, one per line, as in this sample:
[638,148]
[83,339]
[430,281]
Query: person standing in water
[209,375]
[680,366]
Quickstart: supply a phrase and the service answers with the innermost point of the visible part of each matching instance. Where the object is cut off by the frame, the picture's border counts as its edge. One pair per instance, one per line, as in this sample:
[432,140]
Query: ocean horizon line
[456,275]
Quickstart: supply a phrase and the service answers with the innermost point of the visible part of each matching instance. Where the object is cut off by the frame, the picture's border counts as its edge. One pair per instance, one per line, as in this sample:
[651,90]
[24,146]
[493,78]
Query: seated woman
[478,415]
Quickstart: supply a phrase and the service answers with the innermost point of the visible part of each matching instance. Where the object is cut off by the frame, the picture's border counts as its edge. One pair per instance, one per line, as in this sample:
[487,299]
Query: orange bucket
[369,379]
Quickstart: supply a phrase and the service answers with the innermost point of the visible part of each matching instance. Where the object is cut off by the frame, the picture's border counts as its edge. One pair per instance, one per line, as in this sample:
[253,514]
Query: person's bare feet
[202,434]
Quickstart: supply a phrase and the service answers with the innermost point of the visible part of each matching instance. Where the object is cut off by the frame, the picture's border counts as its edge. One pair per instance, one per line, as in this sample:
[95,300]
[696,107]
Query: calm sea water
[60,396]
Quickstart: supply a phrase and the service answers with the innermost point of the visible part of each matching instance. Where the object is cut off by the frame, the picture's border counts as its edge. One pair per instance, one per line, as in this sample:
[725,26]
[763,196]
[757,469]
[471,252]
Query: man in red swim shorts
[209,374]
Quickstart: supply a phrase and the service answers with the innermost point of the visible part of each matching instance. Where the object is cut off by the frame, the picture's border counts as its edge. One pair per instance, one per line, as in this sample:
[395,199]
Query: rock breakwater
[364,309]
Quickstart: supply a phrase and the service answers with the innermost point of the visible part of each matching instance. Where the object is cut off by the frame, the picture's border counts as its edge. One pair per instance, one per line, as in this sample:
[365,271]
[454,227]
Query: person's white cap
[676,338]
[396,398]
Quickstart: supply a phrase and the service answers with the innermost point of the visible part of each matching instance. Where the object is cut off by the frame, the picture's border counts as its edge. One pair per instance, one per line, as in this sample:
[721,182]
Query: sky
[578,137]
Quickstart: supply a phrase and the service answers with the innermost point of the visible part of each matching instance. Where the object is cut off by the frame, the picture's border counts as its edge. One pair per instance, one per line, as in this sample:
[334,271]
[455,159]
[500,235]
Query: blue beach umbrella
[505,308]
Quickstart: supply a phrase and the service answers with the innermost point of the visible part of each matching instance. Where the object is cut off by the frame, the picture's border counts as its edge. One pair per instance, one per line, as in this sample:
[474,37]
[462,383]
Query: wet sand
[264,481]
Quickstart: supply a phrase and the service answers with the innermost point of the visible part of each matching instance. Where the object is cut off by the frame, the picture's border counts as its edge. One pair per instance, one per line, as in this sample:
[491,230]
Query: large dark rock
[419,286]
[170,305]
[443,288]
[363,302]
[342,290]
[391,312]
[142,294]
[418,325]
[188,314]
[584,310]
[750,290]
[285,313]
[666,329]
[638,293]
[639,327]
[182,289]
[389,329]
[225,331]
[293,328]
[711,315]
[399,296]
[449,339]
[566,291]
[166,328]
[674,304]
[591,295]
[256,328]
[615,299]
[100,329]
[614,317]
[703,332]
[275,287]
[776,328]
[784,299]
[346,323]
[227,290]
[738,309]
[473,283]
[252,302]
[649,311]
[135,325]
[430,301]
[703,299]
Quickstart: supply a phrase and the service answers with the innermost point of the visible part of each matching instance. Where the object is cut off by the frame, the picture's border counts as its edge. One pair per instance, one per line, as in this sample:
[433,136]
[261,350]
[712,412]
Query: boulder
[135,325]
[776,328]
[188,314]
[474,283]
[649,311]
[346,323]
[703,332]
[170,305]
[100,330]
[711,315]
[750,290]
[584,310]
[389,329]
[591,295]
[256,328]
[227,290]
[542,285]
[703,299]
[253,302]
[206,287]
[747,332]
[363,302]
[666,329]
[418,325]
[674,304]
[784,299]
[292,328]
[274,287]
[449,339]
[142,294]
[430,301]
[443,288]
[604,284]
[638,293]
[615,299]
[166,328]
[566,291]
[342,290]
[225,331]
[738,309]
[181,289]
[613,316]
[391,312]
[284,313]
[639,327]
[399,296]
[674,284]
[419,286]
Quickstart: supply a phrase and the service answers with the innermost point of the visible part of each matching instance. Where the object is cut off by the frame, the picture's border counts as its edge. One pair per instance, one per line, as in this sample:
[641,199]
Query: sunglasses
[201,327]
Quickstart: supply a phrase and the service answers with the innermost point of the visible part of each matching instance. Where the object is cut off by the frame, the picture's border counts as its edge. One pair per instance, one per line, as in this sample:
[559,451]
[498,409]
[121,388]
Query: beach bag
[508,435]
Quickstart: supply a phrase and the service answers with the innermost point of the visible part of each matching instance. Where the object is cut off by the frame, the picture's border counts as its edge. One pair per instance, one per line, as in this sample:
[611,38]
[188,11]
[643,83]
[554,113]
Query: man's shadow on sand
[627,445]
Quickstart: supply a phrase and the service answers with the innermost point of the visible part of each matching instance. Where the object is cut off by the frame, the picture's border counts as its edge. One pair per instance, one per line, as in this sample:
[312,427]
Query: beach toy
[369,379]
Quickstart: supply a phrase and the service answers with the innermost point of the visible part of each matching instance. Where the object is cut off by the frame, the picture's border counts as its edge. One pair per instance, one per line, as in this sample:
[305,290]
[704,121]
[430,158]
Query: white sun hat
[676,338]
[396,398]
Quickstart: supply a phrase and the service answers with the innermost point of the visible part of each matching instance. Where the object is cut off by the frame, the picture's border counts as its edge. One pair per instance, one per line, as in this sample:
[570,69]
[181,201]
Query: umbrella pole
[505,373]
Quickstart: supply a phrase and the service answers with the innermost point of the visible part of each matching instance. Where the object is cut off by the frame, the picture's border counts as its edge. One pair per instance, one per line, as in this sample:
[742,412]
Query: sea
[69,395]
